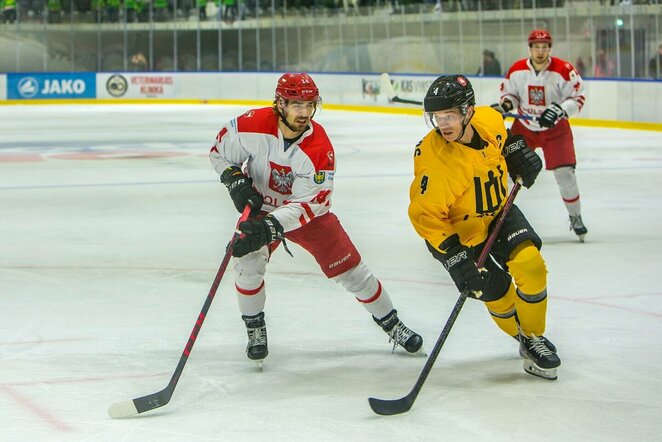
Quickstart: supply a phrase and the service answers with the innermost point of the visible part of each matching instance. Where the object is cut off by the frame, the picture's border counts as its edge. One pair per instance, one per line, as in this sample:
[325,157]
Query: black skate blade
[545,373]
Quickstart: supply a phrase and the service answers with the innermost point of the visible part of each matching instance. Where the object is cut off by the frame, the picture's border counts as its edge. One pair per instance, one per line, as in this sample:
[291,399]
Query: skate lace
[538,345]
[257,336]
[399,335]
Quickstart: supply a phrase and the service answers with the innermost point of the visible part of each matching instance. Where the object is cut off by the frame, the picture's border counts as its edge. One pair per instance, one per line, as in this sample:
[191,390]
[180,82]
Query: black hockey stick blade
[397,99]
[134,407]
[402,405]
[389,407]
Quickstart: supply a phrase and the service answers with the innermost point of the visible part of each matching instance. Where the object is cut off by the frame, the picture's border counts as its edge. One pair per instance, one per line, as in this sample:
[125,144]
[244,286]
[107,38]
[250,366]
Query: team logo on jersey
[537,95]
[323,175]
[281,178]
[491,192]
[329,155]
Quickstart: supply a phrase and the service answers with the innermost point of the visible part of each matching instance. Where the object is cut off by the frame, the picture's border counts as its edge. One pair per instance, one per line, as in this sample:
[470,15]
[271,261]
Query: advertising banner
[30,86]
[137,85]
[3,87]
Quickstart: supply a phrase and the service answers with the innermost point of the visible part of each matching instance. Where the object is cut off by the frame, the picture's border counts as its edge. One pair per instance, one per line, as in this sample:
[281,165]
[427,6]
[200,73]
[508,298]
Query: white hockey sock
[251,302]
[567,181]
[360,282]
[249,281]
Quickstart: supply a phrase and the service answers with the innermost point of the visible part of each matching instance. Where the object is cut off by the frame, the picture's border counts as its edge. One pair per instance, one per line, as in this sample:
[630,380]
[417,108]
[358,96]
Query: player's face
[449,123]
[540,52]
[299,113]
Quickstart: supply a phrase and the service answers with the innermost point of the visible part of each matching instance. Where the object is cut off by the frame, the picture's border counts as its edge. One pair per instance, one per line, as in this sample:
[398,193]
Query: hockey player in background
[550,90]
[281,162]
[460,185]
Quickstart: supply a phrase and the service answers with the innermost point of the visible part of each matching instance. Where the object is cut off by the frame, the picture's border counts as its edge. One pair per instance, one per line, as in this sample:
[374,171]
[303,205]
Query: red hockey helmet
[540,36]
[297,86]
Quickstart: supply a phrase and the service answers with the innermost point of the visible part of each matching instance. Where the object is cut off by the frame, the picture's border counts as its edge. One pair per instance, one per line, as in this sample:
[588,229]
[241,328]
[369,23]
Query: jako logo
[61,87]
[28,87]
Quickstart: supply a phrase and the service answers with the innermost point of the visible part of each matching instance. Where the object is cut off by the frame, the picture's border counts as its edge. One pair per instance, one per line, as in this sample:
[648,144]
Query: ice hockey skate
[545,341]
[256,349]
[400,334]
[539,355]
[578,226]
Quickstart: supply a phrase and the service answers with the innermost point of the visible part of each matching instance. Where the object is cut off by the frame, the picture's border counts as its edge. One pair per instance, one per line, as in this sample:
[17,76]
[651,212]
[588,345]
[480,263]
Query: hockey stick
[521,117]
[397,99]
[397,406]
[389,90]
[159,399]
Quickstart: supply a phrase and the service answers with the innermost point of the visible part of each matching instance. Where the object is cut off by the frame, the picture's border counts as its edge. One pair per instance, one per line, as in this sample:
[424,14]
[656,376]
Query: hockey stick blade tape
[122,409]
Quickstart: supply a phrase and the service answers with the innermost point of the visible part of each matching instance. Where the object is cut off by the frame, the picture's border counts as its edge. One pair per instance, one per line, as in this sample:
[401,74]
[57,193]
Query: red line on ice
[41,413]
[591,301]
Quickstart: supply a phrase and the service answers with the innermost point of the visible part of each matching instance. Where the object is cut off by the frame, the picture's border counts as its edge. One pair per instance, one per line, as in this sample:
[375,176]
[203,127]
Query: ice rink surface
[112,227]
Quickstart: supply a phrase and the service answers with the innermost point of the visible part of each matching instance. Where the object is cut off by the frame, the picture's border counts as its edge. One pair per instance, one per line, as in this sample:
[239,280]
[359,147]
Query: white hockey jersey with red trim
[532,92]
[296,182]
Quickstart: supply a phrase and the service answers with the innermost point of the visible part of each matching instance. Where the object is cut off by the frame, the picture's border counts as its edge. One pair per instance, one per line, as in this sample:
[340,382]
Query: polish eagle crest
[281,178]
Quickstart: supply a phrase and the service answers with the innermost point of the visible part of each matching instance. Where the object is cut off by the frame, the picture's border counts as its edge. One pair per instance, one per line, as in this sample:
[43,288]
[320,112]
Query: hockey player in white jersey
[281,162]
[549,90]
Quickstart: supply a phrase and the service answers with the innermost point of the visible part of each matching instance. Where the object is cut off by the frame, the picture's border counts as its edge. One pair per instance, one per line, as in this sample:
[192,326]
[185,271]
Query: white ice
[112,227]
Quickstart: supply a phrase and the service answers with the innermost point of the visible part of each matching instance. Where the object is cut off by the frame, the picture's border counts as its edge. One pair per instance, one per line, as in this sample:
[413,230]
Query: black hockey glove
[459,261]
[551,115]
[257,234]
[521,160]
[241,190]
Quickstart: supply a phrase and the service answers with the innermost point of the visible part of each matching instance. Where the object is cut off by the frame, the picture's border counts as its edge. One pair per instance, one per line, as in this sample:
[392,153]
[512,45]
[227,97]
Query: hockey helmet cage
[448,92]
[297,86]
[540,36]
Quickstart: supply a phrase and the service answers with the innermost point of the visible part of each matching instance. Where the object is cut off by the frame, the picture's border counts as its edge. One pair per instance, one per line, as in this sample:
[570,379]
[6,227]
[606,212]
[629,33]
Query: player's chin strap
[464,126]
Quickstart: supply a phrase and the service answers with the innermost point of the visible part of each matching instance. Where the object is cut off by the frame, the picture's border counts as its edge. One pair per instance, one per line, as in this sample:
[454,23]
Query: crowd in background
[113,11]
[601,63]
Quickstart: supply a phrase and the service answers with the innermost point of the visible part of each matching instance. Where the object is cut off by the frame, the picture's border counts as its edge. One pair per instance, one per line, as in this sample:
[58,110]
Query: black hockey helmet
[448,92]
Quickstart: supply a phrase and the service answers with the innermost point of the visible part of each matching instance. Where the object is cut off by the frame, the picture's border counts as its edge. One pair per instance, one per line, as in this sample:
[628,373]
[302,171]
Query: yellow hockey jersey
[458,189]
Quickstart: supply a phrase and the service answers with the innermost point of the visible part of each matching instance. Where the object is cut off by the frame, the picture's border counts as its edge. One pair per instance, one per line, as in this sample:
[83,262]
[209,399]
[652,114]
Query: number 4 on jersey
[424,184]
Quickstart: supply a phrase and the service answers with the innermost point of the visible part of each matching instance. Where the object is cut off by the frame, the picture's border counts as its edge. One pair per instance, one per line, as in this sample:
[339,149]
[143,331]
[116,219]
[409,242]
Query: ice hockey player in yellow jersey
[461,171]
